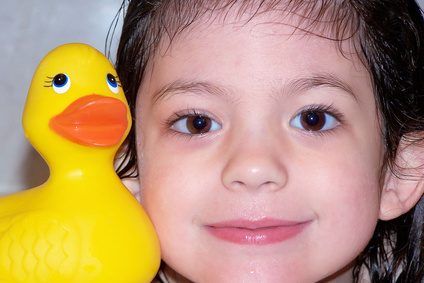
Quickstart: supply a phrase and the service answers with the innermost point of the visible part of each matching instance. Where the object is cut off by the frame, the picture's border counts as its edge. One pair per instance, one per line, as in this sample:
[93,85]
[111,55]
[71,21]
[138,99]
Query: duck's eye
[112,83]
[61,83]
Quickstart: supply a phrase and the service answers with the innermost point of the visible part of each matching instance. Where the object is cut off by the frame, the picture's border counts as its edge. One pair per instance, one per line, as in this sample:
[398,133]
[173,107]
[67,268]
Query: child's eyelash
[183,114]
[325,108]
[189,112]
[168,123]
[329,109]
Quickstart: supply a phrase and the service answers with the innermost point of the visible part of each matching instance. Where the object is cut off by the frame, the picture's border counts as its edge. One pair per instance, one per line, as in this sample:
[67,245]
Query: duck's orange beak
[92,120]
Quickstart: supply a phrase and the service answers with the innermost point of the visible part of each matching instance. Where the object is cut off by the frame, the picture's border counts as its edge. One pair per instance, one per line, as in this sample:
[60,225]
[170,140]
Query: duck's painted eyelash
[48,81]
[117,80]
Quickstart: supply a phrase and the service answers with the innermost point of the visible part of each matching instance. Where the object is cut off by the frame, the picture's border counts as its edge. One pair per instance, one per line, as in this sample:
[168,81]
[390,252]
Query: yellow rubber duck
[81,225]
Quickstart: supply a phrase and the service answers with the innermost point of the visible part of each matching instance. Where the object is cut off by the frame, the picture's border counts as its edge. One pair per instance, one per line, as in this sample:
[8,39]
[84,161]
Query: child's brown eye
[314,121]
[198,124]
[195,125]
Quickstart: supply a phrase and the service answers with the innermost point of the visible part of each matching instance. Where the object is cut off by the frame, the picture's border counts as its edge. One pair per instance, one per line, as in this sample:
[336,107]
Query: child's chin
[262,272]
[269,276]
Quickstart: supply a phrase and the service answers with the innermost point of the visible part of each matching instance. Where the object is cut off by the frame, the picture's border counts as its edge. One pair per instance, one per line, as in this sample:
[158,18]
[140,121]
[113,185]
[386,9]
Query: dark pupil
[313,120]
[59,80]
[198,124]
[111,79]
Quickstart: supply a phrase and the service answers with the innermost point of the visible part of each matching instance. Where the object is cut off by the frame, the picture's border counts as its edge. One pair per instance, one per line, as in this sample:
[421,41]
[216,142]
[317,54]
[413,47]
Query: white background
[29,29]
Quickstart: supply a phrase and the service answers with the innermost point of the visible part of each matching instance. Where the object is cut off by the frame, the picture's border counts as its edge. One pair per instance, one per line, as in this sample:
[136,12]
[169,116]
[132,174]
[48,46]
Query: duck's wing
[37,246]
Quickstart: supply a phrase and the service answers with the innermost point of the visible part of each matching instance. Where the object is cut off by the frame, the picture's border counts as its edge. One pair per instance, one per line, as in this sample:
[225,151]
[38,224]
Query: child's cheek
[346,205]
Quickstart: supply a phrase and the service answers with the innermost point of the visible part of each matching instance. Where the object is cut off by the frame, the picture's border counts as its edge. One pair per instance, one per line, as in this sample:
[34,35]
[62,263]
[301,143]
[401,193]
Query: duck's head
[75,106]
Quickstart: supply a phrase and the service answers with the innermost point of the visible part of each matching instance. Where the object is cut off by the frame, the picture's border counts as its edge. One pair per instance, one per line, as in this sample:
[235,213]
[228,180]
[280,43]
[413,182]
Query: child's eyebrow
[302,84]
[293,86]
[182,86]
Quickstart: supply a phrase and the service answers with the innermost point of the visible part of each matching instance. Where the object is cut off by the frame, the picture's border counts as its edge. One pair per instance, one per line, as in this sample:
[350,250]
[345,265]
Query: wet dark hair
[387,36]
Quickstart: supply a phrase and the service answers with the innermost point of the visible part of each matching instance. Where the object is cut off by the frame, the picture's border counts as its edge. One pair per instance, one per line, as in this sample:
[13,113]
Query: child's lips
[261,232]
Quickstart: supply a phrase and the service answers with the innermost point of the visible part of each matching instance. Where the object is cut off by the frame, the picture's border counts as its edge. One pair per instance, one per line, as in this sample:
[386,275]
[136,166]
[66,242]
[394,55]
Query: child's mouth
[262,232]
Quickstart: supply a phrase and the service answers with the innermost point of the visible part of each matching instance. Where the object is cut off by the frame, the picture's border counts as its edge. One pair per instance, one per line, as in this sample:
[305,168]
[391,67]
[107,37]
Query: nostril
[270,185]
[267,185]
[238,184]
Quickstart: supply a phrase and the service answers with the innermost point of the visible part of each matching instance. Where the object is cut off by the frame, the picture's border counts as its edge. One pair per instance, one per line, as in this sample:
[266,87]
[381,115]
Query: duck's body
[73,240]
[82,225]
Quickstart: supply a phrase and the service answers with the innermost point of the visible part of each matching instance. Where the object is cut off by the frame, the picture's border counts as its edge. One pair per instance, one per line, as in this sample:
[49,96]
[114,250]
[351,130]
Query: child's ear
[402,190]
[133,186]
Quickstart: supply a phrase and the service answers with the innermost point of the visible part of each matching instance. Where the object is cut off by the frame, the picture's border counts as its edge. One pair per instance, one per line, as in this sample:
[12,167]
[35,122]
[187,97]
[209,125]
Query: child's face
[262,159]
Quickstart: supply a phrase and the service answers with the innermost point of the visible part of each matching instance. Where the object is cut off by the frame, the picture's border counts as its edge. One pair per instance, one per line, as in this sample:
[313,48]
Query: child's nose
[254,169]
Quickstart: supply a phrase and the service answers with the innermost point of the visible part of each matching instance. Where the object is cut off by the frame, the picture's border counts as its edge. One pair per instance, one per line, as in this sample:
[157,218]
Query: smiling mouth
[263,232]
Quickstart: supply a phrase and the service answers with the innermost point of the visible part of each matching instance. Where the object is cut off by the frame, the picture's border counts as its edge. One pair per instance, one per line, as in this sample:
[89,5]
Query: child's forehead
[278,21]
[207,45]
[271,55]
[326,19]
[265,30]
